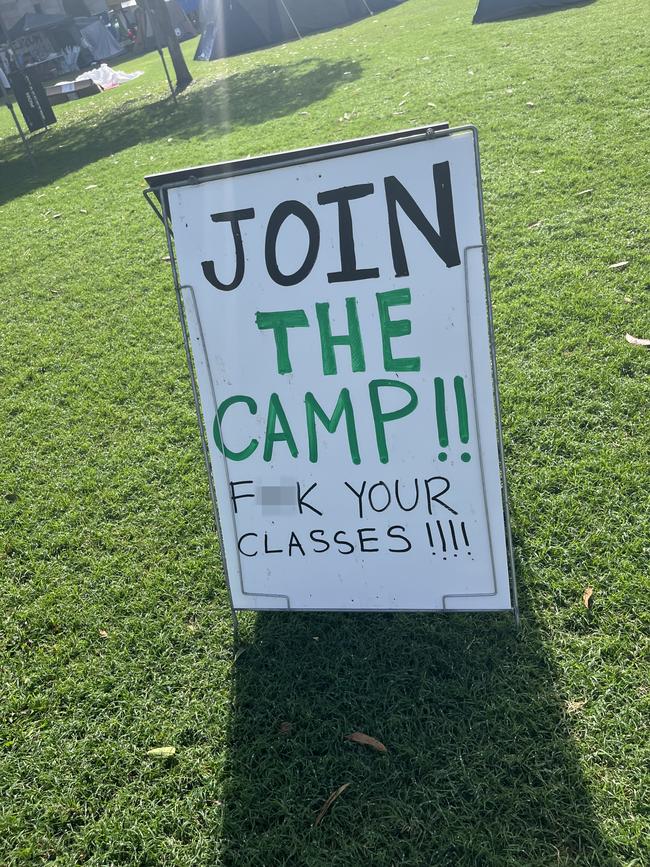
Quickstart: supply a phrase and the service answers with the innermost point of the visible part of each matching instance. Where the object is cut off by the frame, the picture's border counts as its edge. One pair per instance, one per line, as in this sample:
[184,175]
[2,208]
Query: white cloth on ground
[106,77]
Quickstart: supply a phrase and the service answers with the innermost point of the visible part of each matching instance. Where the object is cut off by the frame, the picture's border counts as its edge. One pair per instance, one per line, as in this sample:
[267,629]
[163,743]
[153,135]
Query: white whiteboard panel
[361,467]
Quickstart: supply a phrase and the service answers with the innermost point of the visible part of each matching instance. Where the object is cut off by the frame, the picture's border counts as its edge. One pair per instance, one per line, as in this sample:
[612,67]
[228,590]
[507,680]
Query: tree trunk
[165,35]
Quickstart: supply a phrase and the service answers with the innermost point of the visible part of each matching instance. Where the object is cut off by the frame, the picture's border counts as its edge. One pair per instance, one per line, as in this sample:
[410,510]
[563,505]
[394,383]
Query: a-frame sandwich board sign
[336,314]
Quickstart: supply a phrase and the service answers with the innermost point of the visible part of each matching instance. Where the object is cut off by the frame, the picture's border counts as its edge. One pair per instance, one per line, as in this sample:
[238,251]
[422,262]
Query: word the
[281,321]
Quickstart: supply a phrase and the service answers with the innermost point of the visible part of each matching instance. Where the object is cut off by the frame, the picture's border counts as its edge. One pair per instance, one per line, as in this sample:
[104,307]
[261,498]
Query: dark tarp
[145,23]
[497,10]
[180,21]
[236,26]
[310,17]
[381,5]
[243,25]
[189,6]
[34,22]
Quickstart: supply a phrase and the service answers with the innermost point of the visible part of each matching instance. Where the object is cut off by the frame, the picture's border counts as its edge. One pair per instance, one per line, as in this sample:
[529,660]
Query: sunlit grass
[504,748]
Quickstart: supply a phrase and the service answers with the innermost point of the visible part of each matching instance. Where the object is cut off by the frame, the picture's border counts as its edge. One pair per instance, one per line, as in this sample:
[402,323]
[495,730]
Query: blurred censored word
[336,305]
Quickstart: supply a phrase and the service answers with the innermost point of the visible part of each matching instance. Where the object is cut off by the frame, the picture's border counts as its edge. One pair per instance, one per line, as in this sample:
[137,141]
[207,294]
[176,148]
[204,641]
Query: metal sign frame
[157,197]
[4,93]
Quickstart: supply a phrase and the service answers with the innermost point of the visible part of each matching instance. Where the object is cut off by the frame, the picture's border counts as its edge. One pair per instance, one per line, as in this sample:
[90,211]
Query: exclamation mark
[463,420]
[453,537]
[442,539]
[441,416]
[430,535]
[463,530]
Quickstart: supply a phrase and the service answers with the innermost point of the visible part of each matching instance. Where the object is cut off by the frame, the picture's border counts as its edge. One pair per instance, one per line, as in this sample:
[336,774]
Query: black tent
[497,10]
[59,31]
[34,22]
[236,26]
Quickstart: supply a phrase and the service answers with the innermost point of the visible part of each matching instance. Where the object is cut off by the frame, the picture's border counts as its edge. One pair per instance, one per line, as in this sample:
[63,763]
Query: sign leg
[24,138]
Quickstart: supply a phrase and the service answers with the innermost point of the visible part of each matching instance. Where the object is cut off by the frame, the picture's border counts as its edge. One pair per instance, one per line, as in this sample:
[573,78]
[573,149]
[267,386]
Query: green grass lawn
[504,748]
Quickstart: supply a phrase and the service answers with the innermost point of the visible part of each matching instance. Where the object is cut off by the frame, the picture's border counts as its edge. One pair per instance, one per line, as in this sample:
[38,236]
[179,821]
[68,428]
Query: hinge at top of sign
[436,131]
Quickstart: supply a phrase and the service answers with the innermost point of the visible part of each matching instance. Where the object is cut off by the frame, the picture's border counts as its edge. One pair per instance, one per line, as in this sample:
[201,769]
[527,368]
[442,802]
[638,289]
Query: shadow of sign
[241,100]
[480,767]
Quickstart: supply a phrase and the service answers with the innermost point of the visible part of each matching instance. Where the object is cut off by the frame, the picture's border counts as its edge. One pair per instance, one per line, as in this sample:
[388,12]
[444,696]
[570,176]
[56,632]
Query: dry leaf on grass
[536,225]
[103,633]
[619,266]
[285,728]
[328,803]
[573,706]
[530,104]
[361,738]
[162,752]
[586,597]
[637,341]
